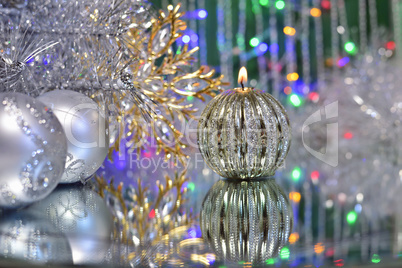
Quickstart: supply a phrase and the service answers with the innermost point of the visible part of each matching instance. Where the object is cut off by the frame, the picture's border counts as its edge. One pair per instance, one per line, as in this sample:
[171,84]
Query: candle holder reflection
[247,220]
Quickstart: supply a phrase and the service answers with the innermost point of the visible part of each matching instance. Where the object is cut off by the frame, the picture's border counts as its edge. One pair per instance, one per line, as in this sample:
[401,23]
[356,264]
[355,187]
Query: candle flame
[242,76]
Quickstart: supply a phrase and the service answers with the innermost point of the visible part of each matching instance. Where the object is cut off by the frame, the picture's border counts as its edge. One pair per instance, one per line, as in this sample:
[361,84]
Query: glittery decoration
[33,150]
[246,220]
[244,134]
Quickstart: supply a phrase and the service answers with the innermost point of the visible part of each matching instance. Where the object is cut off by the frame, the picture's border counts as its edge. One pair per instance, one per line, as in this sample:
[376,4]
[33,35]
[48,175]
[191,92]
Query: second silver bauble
[86,129]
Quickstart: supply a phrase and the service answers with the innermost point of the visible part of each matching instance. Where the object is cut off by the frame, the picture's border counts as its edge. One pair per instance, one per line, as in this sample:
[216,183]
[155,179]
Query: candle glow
[242,76]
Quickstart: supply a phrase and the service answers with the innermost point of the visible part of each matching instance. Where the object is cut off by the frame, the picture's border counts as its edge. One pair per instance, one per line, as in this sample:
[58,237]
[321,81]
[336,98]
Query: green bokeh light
[264,2]
[295,100]
[376,258]
[190,98]
[270,261]
[285,253]
[254,42]
[350,48]
[296,174]
[280,5]
[351,217]
[191,186]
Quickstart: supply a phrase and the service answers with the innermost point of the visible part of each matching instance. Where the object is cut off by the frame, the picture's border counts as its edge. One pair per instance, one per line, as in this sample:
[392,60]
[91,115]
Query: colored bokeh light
[348,135]
[270,261]
[287,90]
[254,42]
[315,12]
[351,217]
[264,2]
[186,39]
[343,61]
[191,186]
[295,100]
[350,48]
[285,253]
[274,48]
[339,263]
[326,4]
[315,175]
[202,14]
[289,31]
[296,174]
[375,258]
[293,238]
[280,5]
[295,196]
[293,76]
[314,96]
[390,45]
[319,248]
[262,48]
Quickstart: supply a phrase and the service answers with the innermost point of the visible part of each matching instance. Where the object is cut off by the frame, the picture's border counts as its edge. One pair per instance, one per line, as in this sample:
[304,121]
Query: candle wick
[242,85]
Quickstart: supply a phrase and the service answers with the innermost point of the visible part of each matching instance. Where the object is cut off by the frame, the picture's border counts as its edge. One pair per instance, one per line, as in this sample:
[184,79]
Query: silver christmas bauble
[244,133]
[86,129]
[83,217]
[33,149]
[28,237]
[246,220]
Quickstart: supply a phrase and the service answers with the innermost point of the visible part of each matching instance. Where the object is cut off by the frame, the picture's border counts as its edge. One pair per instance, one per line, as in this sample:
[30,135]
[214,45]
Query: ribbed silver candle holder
[244,133]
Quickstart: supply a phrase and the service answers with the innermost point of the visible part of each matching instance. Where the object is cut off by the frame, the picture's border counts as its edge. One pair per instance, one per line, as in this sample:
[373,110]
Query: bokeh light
[280,4]
[295,100]
[289,31]
[350,48]
[315,12]
[254,42]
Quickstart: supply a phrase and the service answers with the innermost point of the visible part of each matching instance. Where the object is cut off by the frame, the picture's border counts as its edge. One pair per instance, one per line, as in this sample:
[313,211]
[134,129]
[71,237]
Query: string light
[350,48]
[254,42]
[295,100]
[315,12]
[280,4]
[289,31]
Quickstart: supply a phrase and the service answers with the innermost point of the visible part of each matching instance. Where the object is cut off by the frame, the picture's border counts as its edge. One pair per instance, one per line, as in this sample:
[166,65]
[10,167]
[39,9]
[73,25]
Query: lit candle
[242,76]
[244,132]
